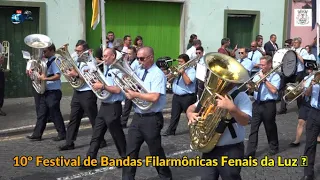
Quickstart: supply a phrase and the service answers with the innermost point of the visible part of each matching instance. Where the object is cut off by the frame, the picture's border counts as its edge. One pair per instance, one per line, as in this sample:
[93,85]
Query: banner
[303,17]
[95,19]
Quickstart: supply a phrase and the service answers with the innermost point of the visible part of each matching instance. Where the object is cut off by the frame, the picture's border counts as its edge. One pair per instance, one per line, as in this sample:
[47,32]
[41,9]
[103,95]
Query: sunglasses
[142,58]
[241,52]
[198,52]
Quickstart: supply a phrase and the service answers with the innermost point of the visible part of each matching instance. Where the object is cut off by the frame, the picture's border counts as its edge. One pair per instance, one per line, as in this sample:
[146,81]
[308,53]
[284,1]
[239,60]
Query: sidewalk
[21,114]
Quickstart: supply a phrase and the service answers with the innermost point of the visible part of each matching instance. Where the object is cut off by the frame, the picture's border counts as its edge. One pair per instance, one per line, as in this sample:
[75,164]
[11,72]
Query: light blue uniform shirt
[155,82]
[52,70]
[307,84]
[247,64]
[181,88]
[255,59]
[242,101]
[305,55]
[135,65]
[110,82]
[266,95]
[85,86]
[315,96]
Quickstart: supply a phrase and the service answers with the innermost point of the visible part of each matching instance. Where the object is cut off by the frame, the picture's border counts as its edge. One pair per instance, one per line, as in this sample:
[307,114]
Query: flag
[95,19]
[314,13]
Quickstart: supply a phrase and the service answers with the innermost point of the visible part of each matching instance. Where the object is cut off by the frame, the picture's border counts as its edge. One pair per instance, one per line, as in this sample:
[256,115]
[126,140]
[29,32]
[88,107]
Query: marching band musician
[200,72]
[110,111]
[312,128]
[50,100]
[134,64]
[301,55]
[184,87]
[244,60]
[241,111]
[83,101]
[264,108]
[254,55]
[305,106]
[146,125]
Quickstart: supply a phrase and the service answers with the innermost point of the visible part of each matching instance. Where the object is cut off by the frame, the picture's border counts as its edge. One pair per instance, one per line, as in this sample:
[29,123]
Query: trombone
[174,70]
[6,54]
[293,91]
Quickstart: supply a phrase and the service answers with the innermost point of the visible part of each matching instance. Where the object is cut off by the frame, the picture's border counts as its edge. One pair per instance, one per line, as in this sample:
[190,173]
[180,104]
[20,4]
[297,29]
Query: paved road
[175,146]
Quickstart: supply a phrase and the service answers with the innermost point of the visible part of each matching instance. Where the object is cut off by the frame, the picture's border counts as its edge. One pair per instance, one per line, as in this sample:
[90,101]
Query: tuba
[37,42]
[6,54]
[174,70]
[130,81]
[65,62]
[224,73]
[293,90]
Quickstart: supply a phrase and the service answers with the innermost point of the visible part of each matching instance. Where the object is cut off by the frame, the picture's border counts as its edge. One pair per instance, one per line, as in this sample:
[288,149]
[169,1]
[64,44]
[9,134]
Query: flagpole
[103,26]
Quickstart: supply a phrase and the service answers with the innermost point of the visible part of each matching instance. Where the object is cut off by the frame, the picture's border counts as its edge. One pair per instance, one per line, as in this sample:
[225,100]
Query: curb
[49,126]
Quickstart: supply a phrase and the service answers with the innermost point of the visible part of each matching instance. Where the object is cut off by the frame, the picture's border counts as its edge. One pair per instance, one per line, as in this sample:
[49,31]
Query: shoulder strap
[235,94]
[50,62]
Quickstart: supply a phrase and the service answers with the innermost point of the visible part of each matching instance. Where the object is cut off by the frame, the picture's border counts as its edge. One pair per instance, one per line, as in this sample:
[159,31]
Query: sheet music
[201,72]
[26,55]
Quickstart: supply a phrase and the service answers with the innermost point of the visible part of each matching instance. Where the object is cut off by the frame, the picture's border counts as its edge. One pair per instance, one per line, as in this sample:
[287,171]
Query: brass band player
[83,101]
[264,107]
[2,81]
[184,87]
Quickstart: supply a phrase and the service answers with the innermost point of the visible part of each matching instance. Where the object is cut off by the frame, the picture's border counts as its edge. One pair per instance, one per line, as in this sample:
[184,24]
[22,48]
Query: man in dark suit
[271,46]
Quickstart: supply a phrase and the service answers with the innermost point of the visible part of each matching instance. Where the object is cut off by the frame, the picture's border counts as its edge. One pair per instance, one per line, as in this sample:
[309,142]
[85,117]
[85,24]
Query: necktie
[144,74]
[178,79]
[78,65]
[259,93]
[105,75]
[252,55]
[241,60]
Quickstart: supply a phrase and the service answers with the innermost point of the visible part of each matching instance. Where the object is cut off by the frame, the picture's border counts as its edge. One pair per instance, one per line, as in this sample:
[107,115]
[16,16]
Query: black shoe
[294,144]
[273,152]
[103,144]
[34,138]
[2,113]
[307,178]
[59,138]
[66,147]
[169,133]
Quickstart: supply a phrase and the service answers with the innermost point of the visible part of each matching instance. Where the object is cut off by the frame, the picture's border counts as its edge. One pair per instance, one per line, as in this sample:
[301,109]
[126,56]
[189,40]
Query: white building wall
[206,19]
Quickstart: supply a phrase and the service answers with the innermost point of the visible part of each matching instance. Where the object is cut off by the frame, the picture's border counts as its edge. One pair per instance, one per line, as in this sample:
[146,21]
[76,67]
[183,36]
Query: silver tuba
[93,74]
[65,62]
[130,81]
[37,42]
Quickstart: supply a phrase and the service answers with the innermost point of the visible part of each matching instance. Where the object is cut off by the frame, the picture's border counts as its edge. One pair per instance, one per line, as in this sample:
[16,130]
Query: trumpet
[293,90]
[174,70]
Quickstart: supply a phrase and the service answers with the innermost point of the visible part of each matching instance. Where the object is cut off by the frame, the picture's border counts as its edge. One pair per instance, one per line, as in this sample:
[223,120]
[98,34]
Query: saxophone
[130,81]
[37,42]
[65,62]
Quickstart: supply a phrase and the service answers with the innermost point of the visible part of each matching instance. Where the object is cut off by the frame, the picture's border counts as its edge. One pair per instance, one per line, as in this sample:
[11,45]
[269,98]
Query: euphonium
[224,73]
[37,42]
[174,70]
[293,90]
[130,81]
[93,74]
[65,63]
[6,54]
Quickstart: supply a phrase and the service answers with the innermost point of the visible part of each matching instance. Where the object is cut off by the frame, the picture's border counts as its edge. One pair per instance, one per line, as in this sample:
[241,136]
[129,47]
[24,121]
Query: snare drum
[288,58]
